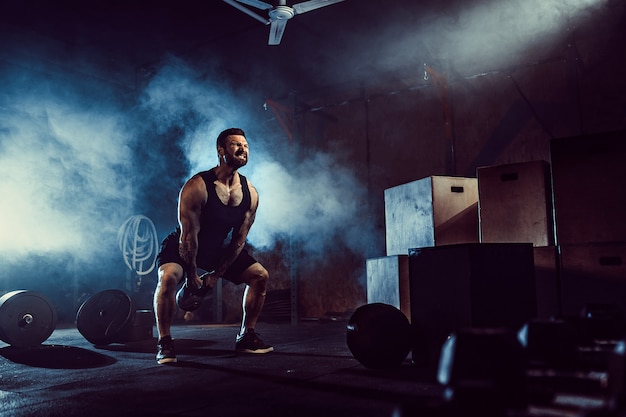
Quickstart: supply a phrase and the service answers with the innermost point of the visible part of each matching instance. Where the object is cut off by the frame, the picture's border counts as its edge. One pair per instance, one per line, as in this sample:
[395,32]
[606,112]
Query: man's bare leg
[255,277]
[164,307]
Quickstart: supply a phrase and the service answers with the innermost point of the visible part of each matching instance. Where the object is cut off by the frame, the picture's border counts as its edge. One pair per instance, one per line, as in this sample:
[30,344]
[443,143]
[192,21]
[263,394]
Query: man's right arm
[192,197]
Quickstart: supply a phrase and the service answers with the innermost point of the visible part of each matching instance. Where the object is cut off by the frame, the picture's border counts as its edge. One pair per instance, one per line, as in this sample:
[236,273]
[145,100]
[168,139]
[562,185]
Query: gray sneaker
[251,343]
[165,351]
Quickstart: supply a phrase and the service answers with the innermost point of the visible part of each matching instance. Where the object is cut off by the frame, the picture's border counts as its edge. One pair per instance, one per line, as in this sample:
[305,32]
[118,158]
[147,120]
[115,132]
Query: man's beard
[235,162]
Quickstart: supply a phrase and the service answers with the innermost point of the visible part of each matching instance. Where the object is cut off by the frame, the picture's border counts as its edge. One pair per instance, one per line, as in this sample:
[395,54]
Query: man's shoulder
[197,183]
[202,177]
[205,174]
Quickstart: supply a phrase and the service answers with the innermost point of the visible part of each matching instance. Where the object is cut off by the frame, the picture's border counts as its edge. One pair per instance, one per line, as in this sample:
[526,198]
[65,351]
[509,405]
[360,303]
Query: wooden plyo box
[432,211]
[515,203]
[388,282]
[593,274]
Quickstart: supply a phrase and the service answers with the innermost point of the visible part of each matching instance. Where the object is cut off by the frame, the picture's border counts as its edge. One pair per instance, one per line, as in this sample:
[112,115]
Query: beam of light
[498,34]
[470,38]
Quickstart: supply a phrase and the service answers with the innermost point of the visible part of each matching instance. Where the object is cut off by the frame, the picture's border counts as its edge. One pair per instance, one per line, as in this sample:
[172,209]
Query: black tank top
[218,220]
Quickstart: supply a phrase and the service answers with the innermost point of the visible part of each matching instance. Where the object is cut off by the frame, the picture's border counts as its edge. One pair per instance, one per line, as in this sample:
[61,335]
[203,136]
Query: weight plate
[27,318]
[379,335]
[104,315]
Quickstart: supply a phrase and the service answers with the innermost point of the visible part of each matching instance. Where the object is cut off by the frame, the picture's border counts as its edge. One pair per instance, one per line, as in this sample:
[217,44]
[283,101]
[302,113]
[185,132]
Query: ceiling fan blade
[257,3]
[307,6]
[277,29]
[248,12]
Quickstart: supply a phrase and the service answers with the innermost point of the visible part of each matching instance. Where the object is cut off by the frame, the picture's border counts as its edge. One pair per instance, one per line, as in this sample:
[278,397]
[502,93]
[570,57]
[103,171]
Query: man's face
[235,151]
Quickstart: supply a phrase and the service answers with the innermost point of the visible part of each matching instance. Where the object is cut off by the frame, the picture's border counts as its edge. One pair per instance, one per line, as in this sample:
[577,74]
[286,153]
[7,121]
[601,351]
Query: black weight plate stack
[27,318]
[141,329]
[104,316]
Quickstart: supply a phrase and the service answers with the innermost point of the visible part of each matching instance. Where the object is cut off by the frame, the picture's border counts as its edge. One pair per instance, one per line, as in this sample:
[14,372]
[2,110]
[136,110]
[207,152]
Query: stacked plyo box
[436,210]
[514,203]
[589,180]
[388,282]
[515,206]
[455,281]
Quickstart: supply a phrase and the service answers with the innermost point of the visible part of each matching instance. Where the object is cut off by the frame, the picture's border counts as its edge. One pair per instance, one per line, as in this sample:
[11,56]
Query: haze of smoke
[70,176]
[63,172]
[314,201]
[317,204]
[199,106]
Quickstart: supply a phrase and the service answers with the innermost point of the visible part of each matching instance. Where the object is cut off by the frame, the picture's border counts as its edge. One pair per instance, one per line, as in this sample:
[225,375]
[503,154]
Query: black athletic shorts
[169,253]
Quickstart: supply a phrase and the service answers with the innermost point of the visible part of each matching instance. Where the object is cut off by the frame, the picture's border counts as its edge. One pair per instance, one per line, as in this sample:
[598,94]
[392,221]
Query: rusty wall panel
[335,283]
[496,124]
[331,285]
[406,132]
[588,178]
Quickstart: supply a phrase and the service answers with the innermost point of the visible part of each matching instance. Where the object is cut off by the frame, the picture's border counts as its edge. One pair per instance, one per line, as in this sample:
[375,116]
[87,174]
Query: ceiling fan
[278,15]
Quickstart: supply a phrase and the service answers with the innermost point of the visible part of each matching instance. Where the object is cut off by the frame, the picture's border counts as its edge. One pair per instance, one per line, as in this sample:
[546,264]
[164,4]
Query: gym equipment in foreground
[27,318]
[109,316]
[189,299]
[379,335]
[483,369]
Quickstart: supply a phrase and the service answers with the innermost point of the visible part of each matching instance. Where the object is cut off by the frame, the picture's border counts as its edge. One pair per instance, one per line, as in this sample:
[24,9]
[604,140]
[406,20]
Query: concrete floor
[311,373]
